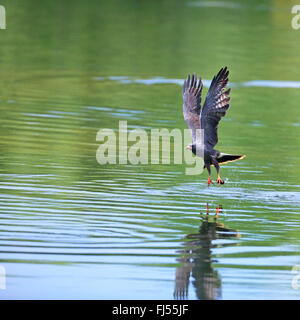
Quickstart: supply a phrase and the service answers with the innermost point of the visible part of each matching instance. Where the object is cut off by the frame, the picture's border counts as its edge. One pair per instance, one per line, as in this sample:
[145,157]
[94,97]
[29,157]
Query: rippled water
[72,228]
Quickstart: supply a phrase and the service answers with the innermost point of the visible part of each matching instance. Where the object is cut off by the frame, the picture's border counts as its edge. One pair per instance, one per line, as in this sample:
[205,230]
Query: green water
[71,228]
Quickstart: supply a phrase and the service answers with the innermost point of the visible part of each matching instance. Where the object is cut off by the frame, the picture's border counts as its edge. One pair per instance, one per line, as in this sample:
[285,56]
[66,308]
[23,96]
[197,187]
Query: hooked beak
[189,147]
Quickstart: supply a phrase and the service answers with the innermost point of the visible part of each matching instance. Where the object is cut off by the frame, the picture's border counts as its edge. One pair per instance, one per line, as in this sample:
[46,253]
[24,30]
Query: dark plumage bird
[214,108]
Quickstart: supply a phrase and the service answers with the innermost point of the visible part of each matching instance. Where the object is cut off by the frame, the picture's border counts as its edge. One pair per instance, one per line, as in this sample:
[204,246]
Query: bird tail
[224,158]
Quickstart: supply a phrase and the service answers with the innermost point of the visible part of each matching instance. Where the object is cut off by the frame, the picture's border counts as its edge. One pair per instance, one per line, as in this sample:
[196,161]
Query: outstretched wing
[215,106]
[191,93]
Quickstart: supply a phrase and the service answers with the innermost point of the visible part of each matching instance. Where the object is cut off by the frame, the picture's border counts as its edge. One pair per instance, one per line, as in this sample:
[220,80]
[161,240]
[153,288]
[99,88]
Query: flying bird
[214,108]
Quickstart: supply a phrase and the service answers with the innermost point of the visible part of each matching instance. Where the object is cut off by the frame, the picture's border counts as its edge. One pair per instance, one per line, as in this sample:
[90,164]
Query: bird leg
[209,181]
[219,180]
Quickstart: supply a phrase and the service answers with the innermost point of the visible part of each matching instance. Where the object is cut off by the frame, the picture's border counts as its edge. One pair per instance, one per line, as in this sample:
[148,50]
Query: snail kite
[214,108]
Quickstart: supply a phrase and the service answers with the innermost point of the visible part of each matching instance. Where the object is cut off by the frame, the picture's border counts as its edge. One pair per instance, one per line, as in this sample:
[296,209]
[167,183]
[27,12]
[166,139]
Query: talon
[209,181]
[219,180]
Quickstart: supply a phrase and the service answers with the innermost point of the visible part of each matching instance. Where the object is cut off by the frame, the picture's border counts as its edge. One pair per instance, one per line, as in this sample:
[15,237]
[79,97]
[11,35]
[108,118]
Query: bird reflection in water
[196,259]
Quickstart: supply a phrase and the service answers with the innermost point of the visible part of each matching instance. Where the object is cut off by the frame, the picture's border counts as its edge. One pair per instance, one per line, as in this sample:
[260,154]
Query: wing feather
[191,92]
[215,106]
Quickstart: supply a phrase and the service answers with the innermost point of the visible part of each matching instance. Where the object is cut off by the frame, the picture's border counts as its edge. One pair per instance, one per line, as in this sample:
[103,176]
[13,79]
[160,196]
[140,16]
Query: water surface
[71,228]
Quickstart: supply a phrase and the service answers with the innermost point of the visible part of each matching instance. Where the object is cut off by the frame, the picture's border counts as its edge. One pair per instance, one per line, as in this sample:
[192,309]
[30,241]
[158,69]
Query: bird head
[190,147]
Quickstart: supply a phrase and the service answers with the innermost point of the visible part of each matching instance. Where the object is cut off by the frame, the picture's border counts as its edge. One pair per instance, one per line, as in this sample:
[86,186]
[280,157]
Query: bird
[207,118]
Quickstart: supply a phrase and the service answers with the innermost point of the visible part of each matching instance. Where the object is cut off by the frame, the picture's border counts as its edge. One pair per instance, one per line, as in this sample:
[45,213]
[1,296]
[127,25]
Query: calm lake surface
[71,228]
